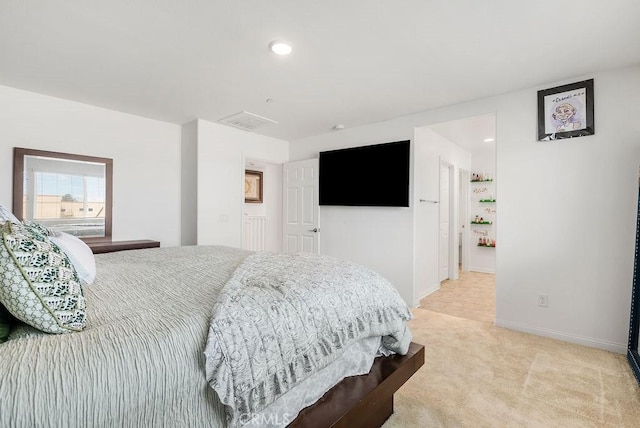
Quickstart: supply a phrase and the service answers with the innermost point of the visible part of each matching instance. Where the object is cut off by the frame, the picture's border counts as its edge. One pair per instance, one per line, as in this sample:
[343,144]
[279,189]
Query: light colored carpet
[471,296]
[479,375]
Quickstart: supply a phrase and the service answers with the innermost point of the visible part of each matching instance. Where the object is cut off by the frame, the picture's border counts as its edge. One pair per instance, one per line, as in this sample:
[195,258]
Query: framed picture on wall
[566,111]
[253,186]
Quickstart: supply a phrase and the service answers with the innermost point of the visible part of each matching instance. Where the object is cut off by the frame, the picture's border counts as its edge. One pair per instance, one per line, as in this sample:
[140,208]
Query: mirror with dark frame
[634,324]
[65,192]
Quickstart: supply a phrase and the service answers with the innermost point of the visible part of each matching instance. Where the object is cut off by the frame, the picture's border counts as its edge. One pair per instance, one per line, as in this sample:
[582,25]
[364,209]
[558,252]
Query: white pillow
[79,254]
[6,215]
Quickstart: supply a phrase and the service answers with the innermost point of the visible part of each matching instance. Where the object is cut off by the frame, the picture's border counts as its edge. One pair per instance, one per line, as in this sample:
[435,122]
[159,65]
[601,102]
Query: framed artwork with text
[566,111]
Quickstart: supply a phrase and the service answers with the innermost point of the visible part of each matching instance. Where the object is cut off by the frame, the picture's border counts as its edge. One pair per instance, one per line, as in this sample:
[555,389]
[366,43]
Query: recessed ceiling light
[279,47]
[489,140]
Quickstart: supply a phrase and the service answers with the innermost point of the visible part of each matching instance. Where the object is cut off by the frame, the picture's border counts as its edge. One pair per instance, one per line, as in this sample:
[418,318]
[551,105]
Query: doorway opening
[468,212]
[262,207]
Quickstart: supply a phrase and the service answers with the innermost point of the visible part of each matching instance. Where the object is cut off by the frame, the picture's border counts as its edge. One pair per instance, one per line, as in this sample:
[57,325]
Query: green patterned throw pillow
[40,228]
[38,284]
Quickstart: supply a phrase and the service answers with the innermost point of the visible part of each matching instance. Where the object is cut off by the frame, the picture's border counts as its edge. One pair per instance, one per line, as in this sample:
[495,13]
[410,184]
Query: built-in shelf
[484,199]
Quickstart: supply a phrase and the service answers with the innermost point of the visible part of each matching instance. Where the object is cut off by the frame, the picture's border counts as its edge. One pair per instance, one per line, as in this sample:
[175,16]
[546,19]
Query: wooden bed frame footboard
[366,400]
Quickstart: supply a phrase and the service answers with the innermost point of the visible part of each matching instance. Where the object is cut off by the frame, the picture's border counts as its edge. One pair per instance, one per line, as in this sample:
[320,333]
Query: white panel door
[444,221]
[301,208]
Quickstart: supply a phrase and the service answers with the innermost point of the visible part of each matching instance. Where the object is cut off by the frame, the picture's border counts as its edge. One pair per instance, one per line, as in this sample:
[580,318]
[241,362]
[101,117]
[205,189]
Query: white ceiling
[354,62]
[470,133]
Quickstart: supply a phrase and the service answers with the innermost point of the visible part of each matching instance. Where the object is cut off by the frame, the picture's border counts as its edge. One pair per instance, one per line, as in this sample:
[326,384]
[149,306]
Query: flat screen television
[376,175]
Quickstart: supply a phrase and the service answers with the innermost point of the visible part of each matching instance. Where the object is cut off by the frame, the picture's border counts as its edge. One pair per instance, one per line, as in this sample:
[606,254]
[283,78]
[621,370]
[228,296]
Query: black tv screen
[375,175]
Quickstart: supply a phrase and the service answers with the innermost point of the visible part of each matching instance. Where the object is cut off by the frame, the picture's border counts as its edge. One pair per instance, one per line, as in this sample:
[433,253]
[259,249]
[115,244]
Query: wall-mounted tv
[375,175]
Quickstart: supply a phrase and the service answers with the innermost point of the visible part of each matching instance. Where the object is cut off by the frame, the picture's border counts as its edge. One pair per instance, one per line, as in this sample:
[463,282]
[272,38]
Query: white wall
[352,232]
[430,150]
[567,217]
[567,210]
[145,153]
[221,152]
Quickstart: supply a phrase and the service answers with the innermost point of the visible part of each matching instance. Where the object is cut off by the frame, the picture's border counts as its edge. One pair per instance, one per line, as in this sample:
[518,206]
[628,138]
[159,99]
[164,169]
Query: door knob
[314,230]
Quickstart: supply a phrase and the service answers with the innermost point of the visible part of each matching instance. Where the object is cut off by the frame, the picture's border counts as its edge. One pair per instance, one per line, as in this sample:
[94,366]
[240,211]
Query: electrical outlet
[543,300]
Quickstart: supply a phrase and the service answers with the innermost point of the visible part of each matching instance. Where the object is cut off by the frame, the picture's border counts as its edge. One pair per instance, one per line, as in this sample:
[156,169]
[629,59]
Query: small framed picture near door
[566,111]
[253,186]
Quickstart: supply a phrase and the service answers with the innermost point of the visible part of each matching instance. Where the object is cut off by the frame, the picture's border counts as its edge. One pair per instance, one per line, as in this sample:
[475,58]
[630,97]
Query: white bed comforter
[282,317]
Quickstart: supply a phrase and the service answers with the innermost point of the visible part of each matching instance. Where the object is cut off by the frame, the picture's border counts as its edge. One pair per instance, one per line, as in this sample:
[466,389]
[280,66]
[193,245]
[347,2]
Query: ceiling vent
[247,121]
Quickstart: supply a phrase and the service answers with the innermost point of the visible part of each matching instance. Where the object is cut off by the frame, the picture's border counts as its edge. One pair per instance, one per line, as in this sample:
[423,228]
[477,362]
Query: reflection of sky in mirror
[62,184]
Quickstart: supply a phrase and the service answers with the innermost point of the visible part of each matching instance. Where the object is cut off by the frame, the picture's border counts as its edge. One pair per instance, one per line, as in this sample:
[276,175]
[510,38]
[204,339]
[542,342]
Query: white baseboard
[482,270]
[619,348]
[432,290]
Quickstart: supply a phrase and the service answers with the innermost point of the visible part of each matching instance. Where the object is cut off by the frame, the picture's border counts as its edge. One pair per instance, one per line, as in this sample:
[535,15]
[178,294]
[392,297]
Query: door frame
[463,212]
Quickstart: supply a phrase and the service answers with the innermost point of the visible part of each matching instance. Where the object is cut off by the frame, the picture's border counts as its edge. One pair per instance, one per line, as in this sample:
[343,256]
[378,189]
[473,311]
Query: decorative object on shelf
[481,177]
[566,111]
[253,187]
[480,221]
[486,242]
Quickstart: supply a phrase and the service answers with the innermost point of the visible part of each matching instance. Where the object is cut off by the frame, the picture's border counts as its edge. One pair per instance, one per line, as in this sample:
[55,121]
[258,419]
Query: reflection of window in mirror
[65,192]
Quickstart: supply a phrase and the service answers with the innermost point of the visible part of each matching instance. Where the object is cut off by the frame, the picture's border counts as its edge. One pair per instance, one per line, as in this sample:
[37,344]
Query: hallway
[471,296]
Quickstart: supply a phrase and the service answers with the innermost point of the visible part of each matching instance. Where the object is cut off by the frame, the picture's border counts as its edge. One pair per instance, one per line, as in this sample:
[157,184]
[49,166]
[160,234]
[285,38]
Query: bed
[140,360]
